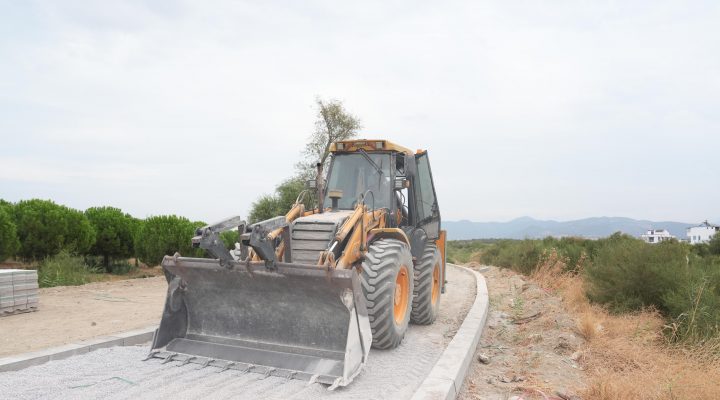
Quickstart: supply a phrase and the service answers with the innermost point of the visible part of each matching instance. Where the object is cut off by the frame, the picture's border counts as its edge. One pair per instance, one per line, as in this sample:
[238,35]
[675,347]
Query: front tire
[387,283]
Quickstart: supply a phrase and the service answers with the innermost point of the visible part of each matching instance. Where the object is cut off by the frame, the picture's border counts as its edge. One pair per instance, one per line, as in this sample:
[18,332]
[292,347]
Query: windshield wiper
[370,160]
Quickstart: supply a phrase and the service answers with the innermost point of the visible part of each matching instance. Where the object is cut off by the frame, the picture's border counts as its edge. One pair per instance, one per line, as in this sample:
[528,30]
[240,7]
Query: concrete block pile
[18,291]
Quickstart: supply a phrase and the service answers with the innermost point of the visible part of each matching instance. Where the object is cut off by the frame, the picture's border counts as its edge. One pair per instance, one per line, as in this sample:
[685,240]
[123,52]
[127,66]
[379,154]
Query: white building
[702,233]
[656,236]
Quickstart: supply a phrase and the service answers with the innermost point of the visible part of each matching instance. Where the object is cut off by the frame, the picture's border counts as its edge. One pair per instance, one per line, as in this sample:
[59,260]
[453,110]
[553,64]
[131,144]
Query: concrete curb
[446,378]
[129,338]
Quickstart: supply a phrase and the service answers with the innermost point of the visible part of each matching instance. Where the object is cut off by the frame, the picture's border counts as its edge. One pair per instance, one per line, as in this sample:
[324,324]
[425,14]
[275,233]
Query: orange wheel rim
[402,290]
[436,283]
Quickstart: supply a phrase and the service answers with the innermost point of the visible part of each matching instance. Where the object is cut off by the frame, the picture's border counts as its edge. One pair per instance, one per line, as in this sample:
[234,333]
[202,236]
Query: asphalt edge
[25,360]
[445,380]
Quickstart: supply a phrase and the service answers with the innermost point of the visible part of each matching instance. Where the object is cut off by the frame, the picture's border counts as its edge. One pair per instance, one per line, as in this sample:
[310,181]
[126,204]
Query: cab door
[428,211]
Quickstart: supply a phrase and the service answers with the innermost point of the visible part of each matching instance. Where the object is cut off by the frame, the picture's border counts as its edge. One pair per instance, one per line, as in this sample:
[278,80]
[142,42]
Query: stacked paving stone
[18,291]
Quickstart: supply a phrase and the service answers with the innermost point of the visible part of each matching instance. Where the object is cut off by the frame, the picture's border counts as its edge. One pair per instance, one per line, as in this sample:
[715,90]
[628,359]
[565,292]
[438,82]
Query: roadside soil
[68,314]
[529,348]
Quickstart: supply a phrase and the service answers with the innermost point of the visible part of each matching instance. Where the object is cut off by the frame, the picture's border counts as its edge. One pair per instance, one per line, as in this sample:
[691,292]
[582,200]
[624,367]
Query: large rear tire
[428,285]
[387,283]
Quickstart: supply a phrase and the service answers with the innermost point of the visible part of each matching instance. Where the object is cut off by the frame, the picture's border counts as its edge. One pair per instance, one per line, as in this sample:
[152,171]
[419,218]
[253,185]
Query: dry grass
[626,357]
[588,326]
[549,273]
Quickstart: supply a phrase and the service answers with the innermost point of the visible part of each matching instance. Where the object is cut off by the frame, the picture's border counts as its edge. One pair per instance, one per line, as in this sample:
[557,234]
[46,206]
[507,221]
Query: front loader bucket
[295,321]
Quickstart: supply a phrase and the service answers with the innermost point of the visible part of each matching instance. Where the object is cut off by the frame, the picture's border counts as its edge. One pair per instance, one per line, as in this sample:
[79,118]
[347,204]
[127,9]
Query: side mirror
[401,182]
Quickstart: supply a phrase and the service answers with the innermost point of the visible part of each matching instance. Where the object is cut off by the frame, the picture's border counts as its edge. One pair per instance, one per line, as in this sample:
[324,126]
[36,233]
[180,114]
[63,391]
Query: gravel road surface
[118,373]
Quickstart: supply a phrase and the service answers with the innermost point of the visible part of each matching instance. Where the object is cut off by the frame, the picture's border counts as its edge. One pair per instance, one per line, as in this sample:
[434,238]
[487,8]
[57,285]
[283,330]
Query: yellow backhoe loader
[307,294]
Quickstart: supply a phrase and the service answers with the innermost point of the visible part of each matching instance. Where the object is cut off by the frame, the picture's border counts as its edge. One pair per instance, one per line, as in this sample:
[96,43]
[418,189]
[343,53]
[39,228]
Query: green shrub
[520,255]
[45,228]
[279,203]
[694,305]
[714,244]
[628,274]
[114,234]
[63,269]
[701,249]
[463,251]
[230,238]
[9,243]
[165,235]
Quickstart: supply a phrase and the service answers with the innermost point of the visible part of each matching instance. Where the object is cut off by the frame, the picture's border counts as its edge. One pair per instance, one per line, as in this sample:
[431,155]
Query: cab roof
[369,145]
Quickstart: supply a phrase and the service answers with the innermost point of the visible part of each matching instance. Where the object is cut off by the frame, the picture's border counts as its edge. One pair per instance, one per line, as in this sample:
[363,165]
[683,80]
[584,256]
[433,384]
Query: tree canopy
[333,123]
[278,203]
[45,228]
[165,235]
[9,243]
[114,233]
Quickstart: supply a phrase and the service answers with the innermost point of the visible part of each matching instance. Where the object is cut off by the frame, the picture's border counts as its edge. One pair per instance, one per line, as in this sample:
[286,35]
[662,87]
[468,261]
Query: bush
[113,234]
[694,305]
[525,255]
[279,203]
[9,243]
[230,238]
[629,274]
[463,251]
[520,255]
[63,269]
[45,228]
[165,235]
[714,244]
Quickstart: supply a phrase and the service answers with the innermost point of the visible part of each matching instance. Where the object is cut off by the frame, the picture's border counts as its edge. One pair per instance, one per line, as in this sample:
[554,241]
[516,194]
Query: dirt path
[529,345]
[72,313]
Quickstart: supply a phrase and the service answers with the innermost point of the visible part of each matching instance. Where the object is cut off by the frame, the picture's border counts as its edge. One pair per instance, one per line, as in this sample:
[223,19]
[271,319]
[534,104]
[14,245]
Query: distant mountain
[526,227]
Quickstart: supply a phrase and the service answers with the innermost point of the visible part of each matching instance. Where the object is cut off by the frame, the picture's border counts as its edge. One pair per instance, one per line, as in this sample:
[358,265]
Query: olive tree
[333,123]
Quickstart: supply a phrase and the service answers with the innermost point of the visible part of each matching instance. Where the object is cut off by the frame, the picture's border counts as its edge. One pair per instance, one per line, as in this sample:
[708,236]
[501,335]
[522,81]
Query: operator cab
[386,176]
[359,175]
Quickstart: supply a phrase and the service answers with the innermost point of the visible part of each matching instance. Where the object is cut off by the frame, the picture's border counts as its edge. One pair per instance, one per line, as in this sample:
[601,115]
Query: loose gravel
[119,373]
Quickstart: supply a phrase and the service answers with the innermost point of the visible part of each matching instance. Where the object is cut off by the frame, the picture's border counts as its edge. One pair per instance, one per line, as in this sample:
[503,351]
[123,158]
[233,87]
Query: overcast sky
[556,110]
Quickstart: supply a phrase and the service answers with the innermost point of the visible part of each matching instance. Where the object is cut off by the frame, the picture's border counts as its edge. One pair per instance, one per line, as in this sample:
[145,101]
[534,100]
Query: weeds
[588,326]
[64,269]
[518,306]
